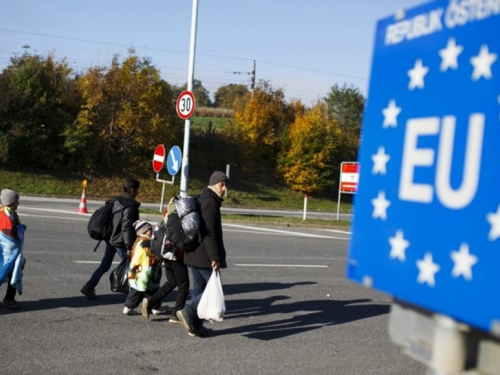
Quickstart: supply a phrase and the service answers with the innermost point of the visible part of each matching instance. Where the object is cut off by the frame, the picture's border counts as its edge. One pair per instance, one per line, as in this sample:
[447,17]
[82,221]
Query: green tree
[201,94]
[346,106]
[39,99]
[127,110]
[210,149]
[225,96]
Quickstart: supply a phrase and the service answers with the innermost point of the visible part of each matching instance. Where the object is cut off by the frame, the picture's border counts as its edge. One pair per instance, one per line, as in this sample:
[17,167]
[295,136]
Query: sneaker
[156,312]
[144,308]
[128,311]
[89,293]
[174,319]
[186,324]
[202,332]
[11,304]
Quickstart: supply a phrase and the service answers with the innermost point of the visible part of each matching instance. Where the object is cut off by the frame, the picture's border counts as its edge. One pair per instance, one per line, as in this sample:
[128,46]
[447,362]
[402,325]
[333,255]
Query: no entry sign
[185,105]
[158,158]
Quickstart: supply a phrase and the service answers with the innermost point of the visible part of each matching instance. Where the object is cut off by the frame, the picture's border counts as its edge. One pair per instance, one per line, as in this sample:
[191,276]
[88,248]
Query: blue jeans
[107,260]
[200,277]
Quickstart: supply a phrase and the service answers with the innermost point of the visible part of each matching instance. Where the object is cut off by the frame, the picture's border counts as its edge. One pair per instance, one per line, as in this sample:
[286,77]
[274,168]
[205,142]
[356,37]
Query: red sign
[159,158]
[349,177]
[185,105]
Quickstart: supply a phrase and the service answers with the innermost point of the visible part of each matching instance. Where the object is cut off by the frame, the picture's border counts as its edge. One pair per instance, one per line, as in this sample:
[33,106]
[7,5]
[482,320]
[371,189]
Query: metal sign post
[228,168]
[348,180]
[187,126]
[304,214]
[163,189]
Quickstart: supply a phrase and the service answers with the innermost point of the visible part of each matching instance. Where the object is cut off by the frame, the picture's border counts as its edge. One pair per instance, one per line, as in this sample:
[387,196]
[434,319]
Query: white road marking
[277,231]
[282,265]
[55,217]
[237,264]
[51,210]
[91,262]
[239,228]
[334,230]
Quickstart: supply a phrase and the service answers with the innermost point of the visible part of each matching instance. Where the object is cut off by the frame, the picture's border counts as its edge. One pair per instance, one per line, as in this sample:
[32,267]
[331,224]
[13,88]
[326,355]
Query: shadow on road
[231,289]
[308,315]
[71,302]
[119,298]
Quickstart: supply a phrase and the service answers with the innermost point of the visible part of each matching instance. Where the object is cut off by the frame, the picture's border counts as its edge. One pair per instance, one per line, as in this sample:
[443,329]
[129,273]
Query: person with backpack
[125,212]
[209,255]
[177,275]
[11,248]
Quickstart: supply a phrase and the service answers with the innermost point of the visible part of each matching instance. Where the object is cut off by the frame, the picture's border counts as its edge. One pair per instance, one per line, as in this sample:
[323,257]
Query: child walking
[145,270]
[177,276]
[11,248]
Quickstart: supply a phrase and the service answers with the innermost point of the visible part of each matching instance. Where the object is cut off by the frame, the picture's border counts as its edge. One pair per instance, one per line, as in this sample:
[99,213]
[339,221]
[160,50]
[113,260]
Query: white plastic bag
[212,305]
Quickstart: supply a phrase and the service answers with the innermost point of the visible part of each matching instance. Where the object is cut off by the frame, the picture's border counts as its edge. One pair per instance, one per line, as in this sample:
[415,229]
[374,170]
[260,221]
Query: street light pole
[187,126]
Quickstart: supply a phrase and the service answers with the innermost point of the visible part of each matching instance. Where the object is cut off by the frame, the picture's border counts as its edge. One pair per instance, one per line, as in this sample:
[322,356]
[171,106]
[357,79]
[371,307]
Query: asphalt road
[290,309]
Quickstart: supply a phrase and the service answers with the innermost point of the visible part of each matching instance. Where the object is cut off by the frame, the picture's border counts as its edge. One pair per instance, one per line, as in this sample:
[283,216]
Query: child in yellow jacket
[145,269]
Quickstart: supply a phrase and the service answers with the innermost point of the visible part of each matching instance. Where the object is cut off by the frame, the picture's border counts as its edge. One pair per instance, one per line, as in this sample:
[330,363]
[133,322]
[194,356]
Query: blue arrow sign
[426,225]
[174,160]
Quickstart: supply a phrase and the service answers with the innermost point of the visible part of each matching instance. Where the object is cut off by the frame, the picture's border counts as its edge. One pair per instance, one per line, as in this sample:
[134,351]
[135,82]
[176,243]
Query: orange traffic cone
[83,203]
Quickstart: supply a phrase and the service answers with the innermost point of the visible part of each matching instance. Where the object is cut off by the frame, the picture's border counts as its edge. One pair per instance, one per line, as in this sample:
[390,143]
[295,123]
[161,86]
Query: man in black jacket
[125,214]
[210,255]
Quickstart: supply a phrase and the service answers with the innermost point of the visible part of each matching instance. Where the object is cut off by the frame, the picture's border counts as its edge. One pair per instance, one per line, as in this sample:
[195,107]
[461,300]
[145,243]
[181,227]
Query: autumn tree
[225,96]
[38,101]
[305,161]
[258,126]
[127,110]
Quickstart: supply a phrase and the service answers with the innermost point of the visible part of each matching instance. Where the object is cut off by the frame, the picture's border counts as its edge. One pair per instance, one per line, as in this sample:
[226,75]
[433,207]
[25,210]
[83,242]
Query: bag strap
[96,246]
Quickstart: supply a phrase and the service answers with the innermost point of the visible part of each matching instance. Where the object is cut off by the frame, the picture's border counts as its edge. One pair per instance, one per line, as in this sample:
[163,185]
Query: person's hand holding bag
[212,305]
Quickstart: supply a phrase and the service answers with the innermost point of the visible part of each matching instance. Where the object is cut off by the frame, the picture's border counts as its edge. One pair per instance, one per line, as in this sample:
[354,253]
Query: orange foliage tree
[258,125]
[127,109]
[305,163]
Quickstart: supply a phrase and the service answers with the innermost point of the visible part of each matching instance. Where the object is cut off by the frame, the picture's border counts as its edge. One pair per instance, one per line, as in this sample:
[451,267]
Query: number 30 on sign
[185,105]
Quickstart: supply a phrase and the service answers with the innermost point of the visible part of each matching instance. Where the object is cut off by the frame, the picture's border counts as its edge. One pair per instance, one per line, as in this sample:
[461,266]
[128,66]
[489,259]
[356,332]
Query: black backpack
[100,225]
[159,245]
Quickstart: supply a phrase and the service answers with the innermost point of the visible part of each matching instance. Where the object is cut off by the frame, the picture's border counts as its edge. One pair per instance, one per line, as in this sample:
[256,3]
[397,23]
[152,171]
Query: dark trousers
[107,260]
[177,276]
[134,298]
[10,295]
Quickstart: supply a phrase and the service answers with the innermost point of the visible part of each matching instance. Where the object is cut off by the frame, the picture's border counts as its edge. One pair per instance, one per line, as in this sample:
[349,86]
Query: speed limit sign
[185,105]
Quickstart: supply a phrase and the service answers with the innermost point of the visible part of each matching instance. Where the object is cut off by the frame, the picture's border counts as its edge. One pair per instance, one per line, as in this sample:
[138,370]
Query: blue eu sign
[426,223]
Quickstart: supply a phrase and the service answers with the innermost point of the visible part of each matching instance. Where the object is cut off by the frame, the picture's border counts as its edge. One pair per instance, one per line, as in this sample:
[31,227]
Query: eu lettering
[414,157]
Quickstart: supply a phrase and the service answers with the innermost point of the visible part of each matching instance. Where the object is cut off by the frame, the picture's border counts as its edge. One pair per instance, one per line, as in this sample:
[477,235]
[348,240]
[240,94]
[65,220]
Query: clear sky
[302,46]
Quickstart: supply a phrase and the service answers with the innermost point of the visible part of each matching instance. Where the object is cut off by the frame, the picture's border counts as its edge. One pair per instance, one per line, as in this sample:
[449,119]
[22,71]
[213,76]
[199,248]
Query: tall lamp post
[187,126]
